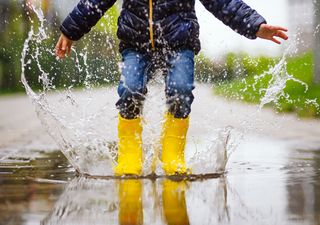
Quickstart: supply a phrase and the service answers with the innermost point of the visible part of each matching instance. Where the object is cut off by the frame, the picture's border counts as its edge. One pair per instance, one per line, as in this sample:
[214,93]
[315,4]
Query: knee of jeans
[133,72]
[133,88]
[178,88]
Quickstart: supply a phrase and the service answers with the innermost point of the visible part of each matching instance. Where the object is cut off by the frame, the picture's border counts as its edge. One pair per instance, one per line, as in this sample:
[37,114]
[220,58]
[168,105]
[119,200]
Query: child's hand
[63,45]
[270,32]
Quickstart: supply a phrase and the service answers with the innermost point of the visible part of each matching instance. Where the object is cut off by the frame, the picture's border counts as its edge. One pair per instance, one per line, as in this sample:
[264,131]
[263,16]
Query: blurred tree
[14,26]
[317,41]
[16,19]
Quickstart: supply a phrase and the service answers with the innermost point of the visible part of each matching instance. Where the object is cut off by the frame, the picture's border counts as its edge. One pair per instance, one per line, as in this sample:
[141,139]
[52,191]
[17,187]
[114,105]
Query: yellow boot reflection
[130,202]
[174,203]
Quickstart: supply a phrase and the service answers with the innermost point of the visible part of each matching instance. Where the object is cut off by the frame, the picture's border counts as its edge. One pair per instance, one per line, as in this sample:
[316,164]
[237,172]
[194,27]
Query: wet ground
[271,178]
[265,184]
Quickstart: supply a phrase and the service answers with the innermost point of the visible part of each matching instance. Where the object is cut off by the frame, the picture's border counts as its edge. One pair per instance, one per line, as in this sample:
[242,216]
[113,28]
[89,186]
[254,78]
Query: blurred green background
[232,75]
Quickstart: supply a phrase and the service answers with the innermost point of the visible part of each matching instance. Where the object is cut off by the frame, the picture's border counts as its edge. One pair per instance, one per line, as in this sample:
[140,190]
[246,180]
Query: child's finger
[282,35]
[61,54]
[275,40]
[64,46]
[69,49]
[56,51]
[280,28]
[63,49]
[57,48]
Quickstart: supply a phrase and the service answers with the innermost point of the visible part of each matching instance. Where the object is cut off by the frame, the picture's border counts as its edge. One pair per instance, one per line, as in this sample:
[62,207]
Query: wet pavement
[272,177]
[265,183]
[31,186]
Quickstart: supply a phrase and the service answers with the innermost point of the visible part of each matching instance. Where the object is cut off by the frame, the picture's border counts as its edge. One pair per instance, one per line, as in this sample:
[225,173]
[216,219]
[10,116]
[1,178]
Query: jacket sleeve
[237,15]
[83,17]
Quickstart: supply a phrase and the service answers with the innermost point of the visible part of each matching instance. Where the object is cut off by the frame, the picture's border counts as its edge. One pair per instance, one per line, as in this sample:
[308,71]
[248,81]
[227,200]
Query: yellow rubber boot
[130,202]
[174,203]
[173,143]
[129,147]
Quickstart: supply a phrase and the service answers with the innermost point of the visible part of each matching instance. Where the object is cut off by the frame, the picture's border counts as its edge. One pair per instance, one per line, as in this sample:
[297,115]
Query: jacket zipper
[151,24]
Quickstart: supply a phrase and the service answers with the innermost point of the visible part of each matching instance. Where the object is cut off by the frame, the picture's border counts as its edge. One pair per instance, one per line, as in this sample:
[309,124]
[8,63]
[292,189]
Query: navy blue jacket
[168,24]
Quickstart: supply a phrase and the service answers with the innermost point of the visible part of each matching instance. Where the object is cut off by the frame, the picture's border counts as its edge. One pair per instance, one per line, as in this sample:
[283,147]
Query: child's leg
[179,86]
[180,83]
[132,86]
[131,90]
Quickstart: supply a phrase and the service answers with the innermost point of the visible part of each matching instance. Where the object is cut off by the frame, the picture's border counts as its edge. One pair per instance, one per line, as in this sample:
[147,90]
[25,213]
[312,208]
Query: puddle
[266,182]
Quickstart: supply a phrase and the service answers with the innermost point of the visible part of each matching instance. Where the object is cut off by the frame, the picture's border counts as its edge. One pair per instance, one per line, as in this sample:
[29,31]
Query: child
[159,34]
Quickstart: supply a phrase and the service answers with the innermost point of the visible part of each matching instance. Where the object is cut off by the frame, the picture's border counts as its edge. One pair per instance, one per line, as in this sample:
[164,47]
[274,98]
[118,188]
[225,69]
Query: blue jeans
[137,68]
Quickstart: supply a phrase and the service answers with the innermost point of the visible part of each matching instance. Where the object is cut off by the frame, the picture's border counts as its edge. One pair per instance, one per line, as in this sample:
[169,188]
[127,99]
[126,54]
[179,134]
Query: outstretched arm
[83,17]
[237,15]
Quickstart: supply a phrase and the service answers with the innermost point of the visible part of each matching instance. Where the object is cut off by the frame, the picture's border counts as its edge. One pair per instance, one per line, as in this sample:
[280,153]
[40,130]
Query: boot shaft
[173,142]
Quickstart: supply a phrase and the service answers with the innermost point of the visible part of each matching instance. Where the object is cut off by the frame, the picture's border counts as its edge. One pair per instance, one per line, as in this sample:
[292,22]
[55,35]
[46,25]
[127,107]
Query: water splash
[69,123]
[277,83]
[83,123]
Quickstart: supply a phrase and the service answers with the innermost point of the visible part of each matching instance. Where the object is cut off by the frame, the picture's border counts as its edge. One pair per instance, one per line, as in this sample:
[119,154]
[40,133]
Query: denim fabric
[178,68]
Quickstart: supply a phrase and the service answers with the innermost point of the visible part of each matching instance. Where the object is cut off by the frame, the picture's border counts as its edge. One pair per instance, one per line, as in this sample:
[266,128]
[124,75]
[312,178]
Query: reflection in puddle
[265,184]
[303,186]
[132,201]
[174,202]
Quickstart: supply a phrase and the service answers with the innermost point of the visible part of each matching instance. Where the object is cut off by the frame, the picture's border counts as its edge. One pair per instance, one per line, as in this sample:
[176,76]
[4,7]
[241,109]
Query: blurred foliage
[101,55]
[108,23]
[245,87]
[95,62]
[207,71]
[14,29]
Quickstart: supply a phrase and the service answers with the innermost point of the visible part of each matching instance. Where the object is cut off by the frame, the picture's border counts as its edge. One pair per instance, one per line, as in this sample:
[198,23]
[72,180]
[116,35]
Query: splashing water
[71,125]
[277,83]
[85,128]
[84,123]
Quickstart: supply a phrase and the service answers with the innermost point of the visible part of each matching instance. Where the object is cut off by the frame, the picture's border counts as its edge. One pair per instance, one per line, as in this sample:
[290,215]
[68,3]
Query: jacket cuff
[69,31]
[252,34]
